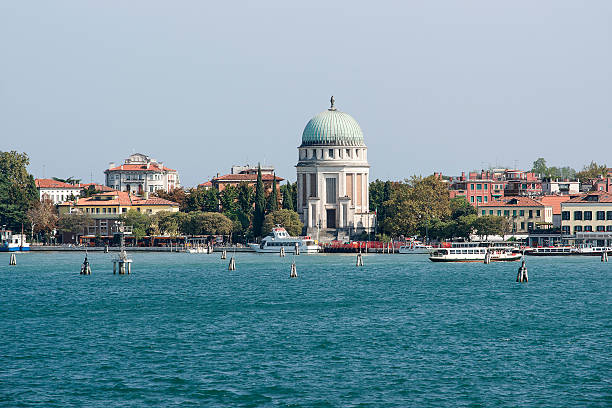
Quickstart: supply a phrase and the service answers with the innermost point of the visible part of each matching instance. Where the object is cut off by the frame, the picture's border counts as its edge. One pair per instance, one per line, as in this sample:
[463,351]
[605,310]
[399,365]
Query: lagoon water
[400,331]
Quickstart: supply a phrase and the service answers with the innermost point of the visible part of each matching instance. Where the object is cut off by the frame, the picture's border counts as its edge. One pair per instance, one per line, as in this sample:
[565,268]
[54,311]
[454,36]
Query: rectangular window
[522,213]
[490,212]
[114,211]
[123,210]
[486,199]
[577,228]
[522,225]
[565,229]
[471,186]
[565,215]
[478,186]
[330,152]
[577,215]
[609,215]
[537,213]
[471,199]
[601,228]
[609,228]
[486,187]
[514,213]
[484,212]
[97,210]
[479,199]
[104,210]
[313,185]
[601,215]
[507,213]
[530,213]
[499,213]
[330,190]
[588,228]
[529,226]
[588,215]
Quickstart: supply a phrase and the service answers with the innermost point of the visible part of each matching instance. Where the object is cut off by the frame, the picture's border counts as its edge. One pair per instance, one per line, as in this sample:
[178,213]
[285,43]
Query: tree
[206,223]
[17,189]
[380,193]
[176,195]
[272,203]
[260,205]
[290,220]
[200,199]
[229,200]
[76,223]
[592,171]
[539,167]
[140,223]
[167,222]
[43,217]
[414,204]
[89,191]
[459,206]
[69,180]
[246,197]
[287,196]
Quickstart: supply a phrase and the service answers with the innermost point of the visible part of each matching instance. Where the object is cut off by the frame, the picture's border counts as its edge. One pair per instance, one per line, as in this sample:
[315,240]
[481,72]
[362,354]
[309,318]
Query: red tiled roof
[140,167]
[603,197]
[205,184]
[246,177]
[98,187]
[50,183]
[554,201]
[510,202]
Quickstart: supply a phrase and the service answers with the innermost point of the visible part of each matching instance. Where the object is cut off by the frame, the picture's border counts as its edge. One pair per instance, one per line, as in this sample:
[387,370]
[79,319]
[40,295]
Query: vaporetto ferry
[475,252]
[280,238]
[13,242]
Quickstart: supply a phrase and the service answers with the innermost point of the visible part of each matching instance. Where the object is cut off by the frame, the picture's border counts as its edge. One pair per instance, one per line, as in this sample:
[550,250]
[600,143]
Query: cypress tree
[287,197]
[260,205]
[273,197]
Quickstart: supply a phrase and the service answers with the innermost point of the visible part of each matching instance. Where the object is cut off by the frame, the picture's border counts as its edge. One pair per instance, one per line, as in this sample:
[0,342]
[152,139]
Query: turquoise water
[401,331]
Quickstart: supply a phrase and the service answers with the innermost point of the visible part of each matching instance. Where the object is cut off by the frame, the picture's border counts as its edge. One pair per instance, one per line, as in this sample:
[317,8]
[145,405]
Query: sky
[444,86]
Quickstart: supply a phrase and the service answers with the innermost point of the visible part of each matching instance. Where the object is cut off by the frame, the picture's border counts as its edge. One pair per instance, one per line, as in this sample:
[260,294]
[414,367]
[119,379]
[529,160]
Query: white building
[140,174]
[56,191]
[550,186]
[333,176]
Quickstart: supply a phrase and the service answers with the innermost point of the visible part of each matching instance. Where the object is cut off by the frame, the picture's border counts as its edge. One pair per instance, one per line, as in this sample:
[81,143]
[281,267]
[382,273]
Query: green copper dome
[332,127]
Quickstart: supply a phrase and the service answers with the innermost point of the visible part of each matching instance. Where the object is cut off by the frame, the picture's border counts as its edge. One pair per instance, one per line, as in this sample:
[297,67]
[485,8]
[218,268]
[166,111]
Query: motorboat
[280,238]
[415,247]
[592,250]
[13,242]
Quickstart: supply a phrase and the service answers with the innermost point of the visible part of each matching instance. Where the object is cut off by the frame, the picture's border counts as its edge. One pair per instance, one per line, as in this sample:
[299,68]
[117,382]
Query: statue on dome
[332,101]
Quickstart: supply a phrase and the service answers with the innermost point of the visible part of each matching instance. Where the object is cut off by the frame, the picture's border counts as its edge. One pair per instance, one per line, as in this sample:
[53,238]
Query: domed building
[333,176]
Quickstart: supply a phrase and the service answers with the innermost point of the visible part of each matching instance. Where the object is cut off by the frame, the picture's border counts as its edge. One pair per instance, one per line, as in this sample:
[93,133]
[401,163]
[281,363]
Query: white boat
[592,250]
[13,242]
[415,247]
[280,238]
[552,251]
[474,252]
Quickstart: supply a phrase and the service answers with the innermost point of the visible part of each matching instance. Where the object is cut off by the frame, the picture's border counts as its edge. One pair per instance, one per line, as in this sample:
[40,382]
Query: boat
[586,249]
[280,238]
[551,251]
[13,242]
[415,247]
[475,252]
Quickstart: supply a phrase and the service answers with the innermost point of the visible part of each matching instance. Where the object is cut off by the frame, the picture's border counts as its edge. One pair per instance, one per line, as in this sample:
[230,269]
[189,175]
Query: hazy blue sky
[201,85]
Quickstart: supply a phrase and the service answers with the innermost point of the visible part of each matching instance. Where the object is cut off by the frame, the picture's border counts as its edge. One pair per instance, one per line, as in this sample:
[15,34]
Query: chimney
[111,165]
[462,176]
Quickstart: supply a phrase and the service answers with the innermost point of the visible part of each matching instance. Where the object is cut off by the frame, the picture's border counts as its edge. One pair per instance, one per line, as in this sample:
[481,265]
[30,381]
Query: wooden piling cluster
[13,259]
[293,273]
[232,264]
[487,259]
[297,248]
[85,268]
[604,256]
[282,252]
[224,254]
[359,259]
[122,263]
[522,272]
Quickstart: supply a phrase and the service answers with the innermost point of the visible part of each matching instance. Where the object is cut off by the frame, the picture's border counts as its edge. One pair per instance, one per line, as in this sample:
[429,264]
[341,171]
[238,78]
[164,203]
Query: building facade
[333,176]
[588,218]
[141,175]
[524,213]
[57,191]
[105,209]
